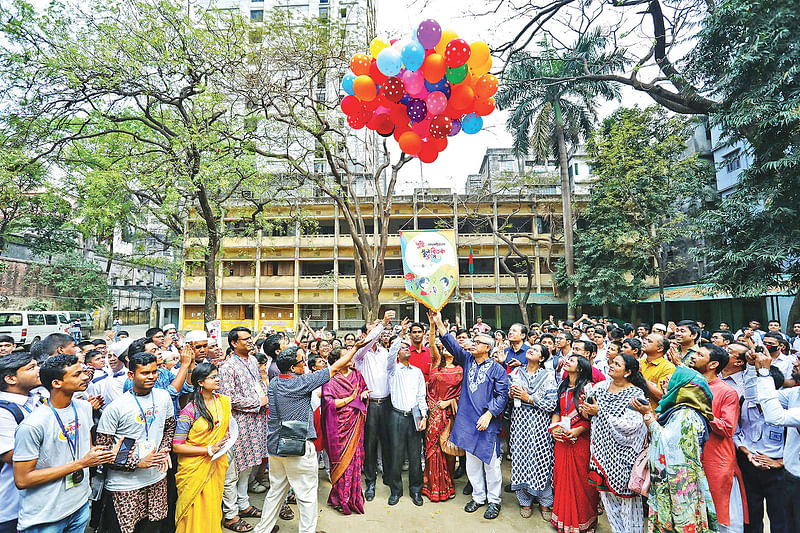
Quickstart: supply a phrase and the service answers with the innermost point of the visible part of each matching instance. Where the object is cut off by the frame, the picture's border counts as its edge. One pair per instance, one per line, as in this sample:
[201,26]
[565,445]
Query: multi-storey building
[276,279]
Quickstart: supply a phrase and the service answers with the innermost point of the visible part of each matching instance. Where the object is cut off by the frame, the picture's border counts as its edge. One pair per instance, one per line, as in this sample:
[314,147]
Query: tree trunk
[660,275]
[794,312]
[110,254]
[566,206]
[606,309]
[523,308]
[210,267]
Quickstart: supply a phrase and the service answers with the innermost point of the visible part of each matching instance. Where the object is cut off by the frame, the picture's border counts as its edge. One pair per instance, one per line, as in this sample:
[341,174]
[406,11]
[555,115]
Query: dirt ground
[447,517]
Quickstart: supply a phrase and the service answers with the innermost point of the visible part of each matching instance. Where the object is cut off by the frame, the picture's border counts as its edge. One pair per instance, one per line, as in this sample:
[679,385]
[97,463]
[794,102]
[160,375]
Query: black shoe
[507,488]
[467,489]
[393,499]
[473,506]
[369,494]
[417,499]
[492,511]
[459,472]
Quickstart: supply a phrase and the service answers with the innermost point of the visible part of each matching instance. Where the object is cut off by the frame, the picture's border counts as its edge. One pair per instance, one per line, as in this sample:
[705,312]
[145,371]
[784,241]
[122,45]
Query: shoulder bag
[291,434]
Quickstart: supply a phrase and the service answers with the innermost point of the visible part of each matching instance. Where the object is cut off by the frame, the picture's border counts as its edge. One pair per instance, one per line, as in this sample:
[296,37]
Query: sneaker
[256,488]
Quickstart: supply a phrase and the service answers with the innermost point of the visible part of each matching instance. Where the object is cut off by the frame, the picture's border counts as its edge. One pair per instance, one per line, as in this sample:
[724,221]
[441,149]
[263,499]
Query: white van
[28,327]
[87,322]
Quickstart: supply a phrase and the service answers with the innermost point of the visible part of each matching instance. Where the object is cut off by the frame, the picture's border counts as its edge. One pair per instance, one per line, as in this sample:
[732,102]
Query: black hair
[313,344]
[584,377]
[459,331]
[261,357]
[84,344]
[140,359]
[233,335]
[7,338]
[54,341]
[777,376]
[545,352]
[547,336]
[37,351]
[334,356]
[287,358]
[627,329]
[10,365]
[600,330]
[718,354]
[201,372]
[616,333]
[272,345]
[91,354]
[773,320]
[123,332]
[589,346]
[635,377]
[136,346]
[99,341]
[568,336]
[312,360]
[693,327]
[152,331]
[500,331]
[522,328]
[726,335]
[616,343]
[569,323]
[773,335]
[634,343]
[417,325]
[54,368]
[260,343]
[644,325]
[363,329]
[349,335]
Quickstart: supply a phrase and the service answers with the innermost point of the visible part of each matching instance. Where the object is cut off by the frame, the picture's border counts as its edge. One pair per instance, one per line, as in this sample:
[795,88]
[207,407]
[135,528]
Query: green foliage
[38,305]
[77,282]
[643,198]
[749,55]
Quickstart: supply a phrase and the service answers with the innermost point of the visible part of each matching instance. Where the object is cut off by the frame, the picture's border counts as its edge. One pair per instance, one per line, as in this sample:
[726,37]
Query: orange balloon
[428,153]
[486,86]
[434,68]
[485,106]
[365,88]
[359,64]
[410,143]
[462,96]
[480,70]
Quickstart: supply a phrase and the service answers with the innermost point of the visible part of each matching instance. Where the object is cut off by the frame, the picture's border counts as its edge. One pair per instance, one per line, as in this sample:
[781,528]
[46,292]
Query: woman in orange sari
[344,413]
[201,432]
[444,389]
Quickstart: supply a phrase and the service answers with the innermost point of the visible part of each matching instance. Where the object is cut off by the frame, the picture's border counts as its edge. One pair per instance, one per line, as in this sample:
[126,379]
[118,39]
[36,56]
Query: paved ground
[447,517]
[135,330]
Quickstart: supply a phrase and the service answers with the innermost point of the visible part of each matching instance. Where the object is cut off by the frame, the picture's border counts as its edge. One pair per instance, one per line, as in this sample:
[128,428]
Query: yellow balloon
[479,55]
[377,45]
[477,72]
[447,36]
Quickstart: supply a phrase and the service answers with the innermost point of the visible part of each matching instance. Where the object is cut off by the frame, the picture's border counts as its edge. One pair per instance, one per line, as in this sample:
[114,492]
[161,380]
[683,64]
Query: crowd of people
[664,428]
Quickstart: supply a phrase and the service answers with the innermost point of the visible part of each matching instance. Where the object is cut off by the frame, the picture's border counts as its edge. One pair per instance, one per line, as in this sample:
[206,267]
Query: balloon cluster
[421,91]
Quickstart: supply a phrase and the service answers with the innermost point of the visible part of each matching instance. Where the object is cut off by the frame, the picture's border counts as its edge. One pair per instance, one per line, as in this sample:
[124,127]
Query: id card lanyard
[249,371]
[144,415]
[72,441]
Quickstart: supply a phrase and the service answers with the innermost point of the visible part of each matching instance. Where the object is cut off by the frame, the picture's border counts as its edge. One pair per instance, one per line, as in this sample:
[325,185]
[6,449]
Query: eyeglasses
[483,342]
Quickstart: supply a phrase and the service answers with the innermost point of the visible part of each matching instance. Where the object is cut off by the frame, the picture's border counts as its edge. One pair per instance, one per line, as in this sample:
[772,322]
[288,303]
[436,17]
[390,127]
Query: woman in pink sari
[343,415]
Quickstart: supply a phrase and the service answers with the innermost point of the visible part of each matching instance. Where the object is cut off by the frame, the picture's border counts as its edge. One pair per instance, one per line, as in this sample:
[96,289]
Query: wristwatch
[648,417]
[763,372]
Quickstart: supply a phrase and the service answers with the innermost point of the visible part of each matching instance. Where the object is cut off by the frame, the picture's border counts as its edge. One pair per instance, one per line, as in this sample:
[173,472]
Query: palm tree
[547,114]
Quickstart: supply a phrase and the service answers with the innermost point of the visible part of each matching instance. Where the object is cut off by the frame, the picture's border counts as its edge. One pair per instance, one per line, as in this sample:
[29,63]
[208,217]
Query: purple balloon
[456,127]
[429,33]
[417,109]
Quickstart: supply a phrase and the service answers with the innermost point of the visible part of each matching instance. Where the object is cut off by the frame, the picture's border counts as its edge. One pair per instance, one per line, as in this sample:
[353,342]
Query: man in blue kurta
[484,392]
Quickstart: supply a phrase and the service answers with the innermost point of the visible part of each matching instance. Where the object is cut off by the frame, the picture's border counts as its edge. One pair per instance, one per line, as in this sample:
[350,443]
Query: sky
[396,19]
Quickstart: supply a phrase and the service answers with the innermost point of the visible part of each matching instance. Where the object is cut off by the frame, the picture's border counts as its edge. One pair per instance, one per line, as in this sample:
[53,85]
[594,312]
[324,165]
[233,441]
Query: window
[51,320]
[733,161]
[576,169]
[13,319]
[343,12]
[323,12]
[36,320]
[257,15]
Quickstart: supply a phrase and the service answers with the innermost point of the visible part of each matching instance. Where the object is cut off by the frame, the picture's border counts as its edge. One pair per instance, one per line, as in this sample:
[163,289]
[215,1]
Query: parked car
[28,327]
[87,322]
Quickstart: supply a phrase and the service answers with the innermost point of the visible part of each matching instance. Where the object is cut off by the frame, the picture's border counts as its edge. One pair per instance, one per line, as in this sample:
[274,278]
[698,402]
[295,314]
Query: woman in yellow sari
[201,432]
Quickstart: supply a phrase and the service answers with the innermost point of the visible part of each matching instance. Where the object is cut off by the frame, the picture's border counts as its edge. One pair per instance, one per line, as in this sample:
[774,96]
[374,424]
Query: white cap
[118,348]
[169,326]
[659,326]
[195,335]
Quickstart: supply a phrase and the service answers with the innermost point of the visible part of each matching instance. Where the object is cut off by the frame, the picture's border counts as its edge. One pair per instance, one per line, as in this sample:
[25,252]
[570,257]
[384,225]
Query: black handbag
[291,435]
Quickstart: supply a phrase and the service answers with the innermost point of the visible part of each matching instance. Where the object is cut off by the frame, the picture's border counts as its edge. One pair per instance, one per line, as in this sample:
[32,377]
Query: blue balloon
[471,124]
[389,62]
[413,55]
[442,86]
[405,99]
[347,83]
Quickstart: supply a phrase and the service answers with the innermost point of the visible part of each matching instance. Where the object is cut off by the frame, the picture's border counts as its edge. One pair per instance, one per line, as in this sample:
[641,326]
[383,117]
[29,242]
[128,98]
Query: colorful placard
[430,265]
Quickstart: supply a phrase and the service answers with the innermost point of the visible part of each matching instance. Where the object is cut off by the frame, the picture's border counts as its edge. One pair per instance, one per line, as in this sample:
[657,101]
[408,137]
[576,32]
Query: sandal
[286,513]
[547,514]
[251,512]
[240,526]
[291,500]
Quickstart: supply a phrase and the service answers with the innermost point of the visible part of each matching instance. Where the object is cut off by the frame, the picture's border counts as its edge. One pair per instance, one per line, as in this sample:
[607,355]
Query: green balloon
[457,75]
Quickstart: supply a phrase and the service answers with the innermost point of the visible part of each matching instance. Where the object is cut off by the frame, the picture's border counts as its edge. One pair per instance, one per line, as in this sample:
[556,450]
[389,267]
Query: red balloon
[451,110]
[355,122]
[440,144]
[372,105]
[377,76]
[365,115]
[485,106]
[351,105]
[441,126]
[400,130]
[462,97]
[399,115]
[393,89]
[457,53]
[410,143]
[383,123]
[428,153]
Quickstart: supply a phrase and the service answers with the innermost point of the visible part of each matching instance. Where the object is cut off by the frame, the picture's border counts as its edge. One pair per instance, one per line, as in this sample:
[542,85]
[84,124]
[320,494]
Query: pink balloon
[422,128]
[413,81]
[381,110]
[437,102]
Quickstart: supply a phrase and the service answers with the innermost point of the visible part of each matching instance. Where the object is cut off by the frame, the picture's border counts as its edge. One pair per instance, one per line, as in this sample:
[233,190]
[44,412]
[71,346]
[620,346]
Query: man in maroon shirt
[420,355]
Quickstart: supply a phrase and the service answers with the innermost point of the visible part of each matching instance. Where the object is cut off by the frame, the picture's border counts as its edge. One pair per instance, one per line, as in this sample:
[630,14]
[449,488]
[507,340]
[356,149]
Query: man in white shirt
[371,361]
[111,383]
[407,419]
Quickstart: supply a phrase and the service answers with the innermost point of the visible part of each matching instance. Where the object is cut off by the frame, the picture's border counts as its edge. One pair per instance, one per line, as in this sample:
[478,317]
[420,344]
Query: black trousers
[110,523]
[760,485]
[377,430]
[406,441]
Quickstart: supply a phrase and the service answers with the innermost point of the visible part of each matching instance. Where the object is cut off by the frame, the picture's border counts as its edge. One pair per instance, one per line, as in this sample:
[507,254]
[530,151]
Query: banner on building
[430,265]
[215,330]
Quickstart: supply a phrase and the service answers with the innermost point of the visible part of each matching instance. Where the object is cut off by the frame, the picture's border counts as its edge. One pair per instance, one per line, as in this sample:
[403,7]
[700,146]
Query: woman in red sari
[444,388]
[575,506]
[343,415]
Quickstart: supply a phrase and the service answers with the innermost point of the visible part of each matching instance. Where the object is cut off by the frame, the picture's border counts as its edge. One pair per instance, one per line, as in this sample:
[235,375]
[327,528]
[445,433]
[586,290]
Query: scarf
[687,389]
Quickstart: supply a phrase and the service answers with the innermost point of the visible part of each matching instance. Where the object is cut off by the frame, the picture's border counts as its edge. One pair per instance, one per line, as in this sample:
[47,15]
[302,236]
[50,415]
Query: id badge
[73,480]
[146,447]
